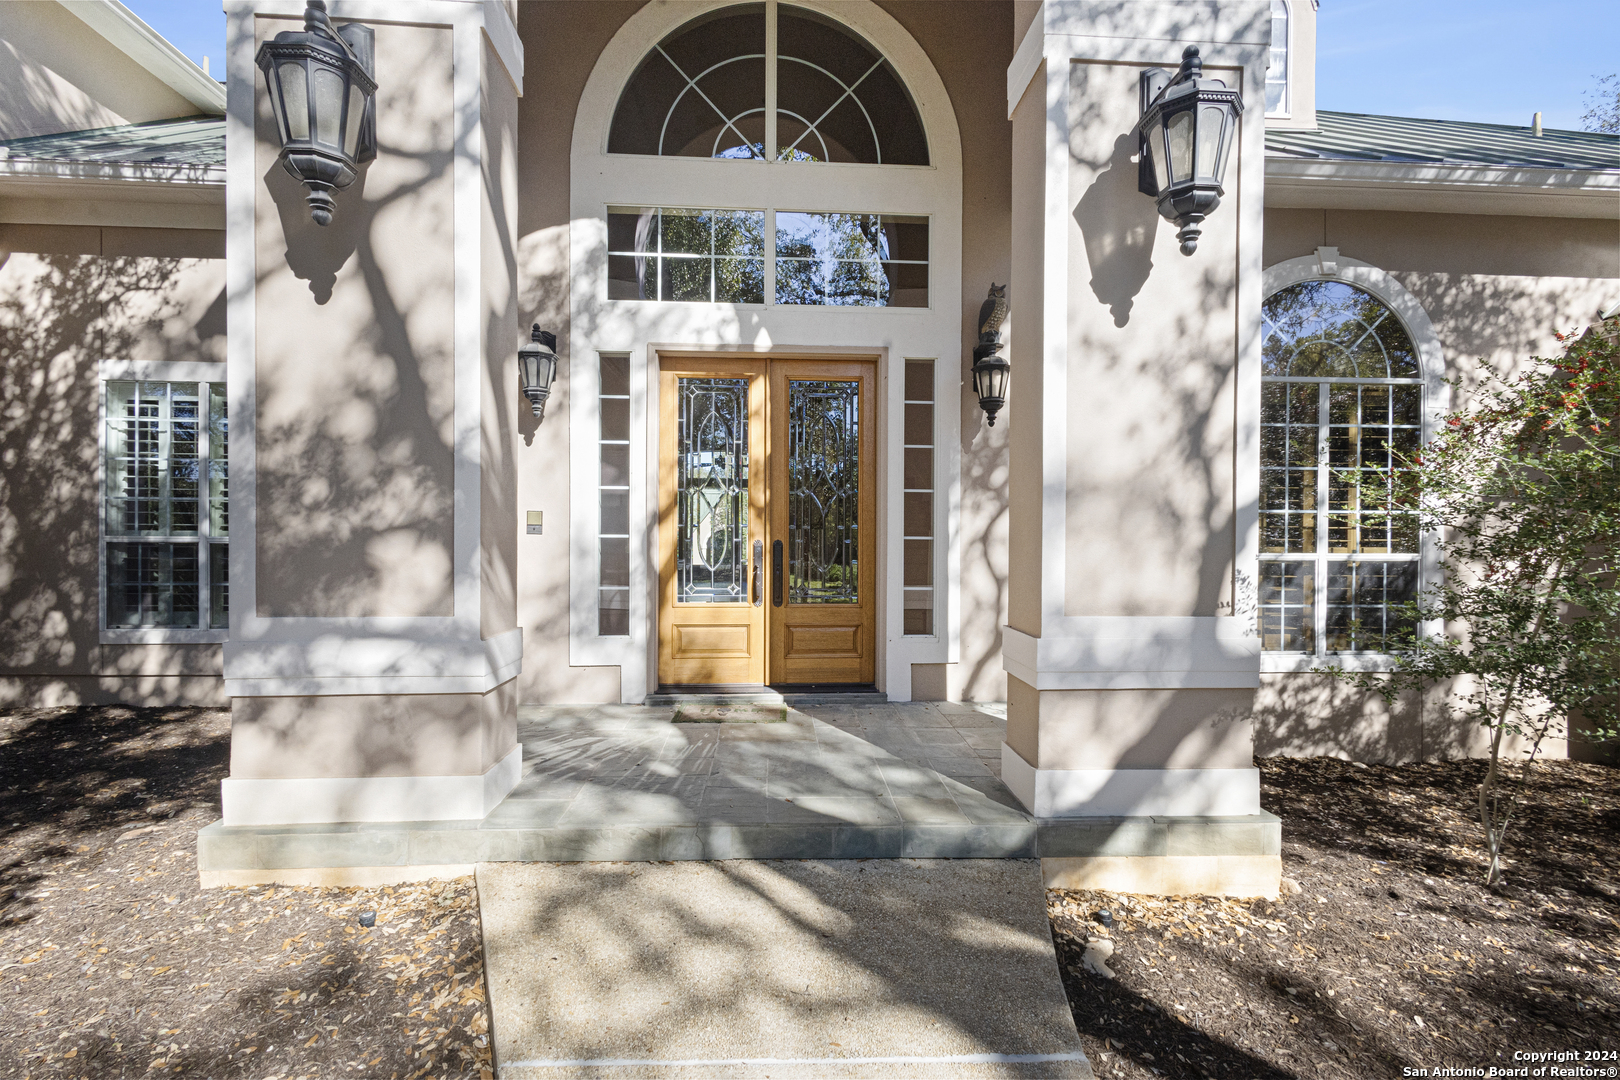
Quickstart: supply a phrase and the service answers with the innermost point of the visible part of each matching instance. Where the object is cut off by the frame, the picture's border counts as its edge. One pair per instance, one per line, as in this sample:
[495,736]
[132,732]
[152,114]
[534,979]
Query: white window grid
[202,523]
[769,257]
[919,597]
[1323,562]
[615,598]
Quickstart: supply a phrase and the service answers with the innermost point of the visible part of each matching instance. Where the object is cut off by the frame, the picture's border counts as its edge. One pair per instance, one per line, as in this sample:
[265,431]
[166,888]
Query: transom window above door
[759,256]
[708,91]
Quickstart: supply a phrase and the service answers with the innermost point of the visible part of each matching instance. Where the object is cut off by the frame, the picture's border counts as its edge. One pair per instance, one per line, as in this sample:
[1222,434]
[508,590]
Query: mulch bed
[113,962]
[1394,955]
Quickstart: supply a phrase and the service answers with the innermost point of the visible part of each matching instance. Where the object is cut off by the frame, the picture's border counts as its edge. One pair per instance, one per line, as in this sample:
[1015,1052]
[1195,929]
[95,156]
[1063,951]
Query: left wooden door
[711,526]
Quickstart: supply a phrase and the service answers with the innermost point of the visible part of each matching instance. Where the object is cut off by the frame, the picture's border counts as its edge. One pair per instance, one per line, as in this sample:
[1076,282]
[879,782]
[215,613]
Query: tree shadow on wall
[59,315]
[1119,224]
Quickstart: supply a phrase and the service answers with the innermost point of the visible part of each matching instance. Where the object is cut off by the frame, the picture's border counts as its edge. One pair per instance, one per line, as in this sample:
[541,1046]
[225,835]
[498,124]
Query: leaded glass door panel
[711,520]
[823,511]
[767,512]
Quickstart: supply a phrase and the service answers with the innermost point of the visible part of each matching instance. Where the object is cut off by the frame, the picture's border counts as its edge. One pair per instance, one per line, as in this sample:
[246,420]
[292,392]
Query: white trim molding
[1442,189]
[125,31]
[348,799]
[1072,793]
[326,665]
[1136,653]
[640,329]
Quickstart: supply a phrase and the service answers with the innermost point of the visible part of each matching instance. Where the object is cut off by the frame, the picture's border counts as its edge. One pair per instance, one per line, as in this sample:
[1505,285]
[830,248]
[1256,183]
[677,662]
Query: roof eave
[126,32]
[1446,189]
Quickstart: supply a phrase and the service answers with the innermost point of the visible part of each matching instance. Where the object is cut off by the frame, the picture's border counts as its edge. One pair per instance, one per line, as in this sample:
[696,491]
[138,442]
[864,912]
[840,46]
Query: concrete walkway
[895,967]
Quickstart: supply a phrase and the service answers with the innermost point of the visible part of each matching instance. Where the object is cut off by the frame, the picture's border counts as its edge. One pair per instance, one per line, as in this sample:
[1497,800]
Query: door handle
[776,573]
[759,572]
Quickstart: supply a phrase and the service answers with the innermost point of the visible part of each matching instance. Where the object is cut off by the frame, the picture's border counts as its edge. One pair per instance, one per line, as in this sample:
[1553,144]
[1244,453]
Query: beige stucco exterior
[1113,500]
[56,75]
[70,296]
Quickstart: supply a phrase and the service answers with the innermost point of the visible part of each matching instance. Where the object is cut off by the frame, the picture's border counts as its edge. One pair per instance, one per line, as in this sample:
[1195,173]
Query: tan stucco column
[1131,651]
[373,412]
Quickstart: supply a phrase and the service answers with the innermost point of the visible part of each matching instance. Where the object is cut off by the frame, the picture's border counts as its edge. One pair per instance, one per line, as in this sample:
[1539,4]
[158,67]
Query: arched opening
[768,82]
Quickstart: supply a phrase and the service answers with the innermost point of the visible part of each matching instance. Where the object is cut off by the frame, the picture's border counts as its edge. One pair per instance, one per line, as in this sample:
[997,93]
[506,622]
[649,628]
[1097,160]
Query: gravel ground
[114,963]
[1393,956]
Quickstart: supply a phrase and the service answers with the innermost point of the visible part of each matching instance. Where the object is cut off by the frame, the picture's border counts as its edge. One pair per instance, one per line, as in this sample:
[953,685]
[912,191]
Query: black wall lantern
[537,366]
[990,368]
[1188,127]
[322,81]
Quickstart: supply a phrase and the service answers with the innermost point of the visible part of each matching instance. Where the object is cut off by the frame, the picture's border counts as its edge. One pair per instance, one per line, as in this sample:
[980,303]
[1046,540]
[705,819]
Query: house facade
[763,235]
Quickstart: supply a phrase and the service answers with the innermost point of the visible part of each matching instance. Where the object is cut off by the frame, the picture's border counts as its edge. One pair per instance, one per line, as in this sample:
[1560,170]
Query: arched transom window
[705,91]
[1341,394]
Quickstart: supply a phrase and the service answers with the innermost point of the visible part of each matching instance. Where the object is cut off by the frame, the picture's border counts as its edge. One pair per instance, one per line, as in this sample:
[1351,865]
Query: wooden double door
[767,515]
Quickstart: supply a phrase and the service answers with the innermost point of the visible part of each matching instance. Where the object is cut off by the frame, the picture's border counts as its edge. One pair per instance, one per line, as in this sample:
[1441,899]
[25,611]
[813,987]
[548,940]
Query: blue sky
[1490,60]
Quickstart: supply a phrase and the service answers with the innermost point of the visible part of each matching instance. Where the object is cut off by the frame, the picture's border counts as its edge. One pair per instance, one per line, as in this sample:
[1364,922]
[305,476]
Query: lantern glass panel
[295,99]
[351,131]
[1179,131]
[1155,143]
[328,106]
[1210,118]
[1227,142]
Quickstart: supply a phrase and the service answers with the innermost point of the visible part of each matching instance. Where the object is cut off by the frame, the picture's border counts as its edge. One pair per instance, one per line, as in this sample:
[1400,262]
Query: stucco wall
[1496,289]
[963,40]
[56,74]
[1151,377]
[70,296]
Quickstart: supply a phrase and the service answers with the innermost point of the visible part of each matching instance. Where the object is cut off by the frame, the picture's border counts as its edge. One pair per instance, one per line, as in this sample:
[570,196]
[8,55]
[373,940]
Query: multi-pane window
[167,509]
[703,92]
[918,500]
[1341,415]
[708,256]
[851,260]
[727,257]
[613,493]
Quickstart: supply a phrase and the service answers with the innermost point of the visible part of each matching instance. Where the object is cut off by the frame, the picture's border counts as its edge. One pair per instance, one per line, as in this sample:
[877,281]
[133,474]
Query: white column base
[1060,793]
[333,800]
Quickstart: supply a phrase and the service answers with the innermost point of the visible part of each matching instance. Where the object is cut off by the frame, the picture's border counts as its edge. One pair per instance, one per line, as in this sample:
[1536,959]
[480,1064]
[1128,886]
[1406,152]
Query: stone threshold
[234,855]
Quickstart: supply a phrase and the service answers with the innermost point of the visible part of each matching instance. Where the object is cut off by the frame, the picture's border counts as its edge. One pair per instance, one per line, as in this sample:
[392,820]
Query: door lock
[759,572]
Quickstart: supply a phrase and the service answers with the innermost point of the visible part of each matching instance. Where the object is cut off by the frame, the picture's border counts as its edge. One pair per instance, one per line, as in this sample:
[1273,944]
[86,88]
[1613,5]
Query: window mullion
[770,80]
[1319,614]
[770,254]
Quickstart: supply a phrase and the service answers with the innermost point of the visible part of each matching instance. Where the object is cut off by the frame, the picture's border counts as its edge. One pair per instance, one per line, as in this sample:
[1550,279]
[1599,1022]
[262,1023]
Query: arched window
[703,92]
[1342,391]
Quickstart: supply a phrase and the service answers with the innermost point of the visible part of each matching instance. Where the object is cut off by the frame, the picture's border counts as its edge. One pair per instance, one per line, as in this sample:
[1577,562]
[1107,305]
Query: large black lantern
[990,368]
[1188,127]
[321,81]
[537,366]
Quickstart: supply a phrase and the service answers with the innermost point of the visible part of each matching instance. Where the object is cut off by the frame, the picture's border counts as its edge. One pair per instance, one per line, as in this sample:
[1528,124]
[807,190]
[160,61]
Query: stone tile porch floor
[916,780]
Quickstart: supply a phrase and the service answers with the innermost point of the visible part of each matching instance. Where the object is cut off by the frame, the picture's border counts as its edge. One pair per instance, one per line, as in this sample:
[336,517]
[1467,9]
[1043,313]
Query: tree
[1522,492]
[1603,106]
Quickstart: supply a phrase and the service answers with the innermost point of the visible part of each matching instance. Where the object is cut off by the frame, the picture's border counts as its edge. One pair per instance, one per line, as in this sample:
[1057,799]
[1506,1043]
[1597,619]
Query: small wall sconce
[990,368]
[322,84]
[537,366]
[1188,126]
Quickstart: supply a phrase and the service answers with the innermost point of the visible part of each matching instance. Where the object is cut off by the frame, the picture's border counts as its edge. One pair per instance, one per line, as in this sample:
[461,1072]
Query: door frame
[874,440]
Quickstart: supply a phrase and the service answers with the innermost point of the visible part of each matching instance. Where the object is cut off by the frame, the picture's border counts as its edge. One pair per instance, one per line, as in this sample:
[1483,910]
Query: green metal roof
[190,140]
[1404,141]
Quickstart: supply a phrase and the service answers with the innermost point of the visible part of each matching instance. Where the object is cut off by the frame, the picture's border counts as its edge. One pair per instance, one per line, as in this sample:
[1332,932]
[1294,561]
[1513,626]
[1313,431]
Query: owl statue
[992,313]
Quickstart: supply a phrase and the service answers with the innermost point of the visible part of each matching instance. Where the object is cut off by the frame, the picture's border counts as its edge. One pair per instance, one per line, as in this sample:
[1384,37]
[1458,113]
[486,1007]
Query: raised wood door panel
[823,511]
[713,431]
